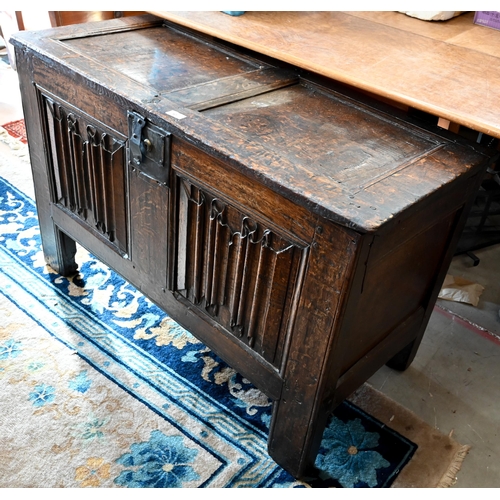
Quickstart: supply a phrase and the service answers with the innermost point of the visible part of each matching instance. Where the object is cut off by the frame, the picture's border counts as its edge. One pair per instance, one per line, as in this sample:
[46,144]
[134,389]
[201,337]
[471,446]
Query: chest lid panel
[194,72]
[338,141]
[330,154]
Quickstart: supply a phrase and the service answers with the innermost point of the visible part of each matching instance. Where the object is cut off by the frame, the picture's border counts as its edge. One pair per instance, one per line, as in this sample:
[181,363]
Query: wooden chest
[300,234]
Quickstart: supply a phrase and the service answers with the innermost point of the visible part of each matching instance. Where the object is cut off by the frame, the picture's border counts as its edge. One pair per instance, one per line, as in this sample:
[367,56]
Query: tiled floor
[454,382]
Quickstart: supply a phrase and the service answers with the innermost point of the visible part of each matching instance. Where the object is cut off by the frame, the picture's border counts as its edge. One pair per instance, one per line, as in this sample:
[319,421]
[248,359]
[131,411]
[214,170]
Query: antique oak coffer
[301,234]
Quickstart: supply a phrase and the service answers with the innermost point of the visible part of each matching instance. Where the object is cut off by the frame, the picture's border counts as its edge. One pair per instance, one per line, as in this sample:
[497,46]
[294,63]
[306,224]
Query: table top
[450,69]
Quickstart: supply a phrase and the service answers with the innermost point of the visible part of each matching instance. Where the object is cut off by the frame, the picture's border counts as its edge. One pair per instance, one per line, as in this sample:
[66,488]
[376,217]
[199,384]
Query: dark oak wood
[300,233]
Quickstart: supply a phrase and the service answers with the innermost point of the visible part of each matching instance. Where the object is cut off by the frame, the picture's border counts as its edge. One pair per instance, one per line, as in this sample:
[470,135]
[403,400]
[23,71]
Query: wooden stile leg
[405,357]
[300,416]
[58,248]
[295,447]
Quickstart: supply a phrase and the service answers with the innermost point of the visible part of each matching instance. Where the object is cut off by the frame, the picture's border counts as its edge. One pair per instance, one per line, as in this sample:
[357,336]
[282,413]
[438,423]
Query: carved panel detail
[240,272]
[88,170]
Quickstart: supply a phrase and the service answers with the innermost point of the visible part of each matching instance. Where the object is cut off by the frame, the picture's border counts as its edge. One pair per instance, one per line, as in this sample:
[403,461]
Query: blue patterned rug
[105,390]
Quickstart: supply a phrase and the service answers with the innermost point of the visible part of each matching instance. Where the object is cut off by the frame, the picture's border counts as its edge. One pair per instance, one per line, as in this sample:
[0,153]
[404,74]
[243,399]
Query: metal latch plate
[149,148]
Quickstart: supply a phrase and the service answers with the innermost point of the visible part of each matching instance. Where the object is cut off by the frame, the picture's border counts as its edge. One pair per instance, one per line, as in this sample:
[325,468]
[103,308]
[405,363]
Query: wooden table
[450,69]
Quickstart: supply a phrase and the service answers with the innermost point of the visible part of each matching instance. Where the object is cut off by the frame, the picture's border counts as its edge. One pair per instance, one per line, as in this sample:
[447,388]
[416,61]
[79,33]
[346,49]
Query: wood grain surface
[449,69]
[300,234]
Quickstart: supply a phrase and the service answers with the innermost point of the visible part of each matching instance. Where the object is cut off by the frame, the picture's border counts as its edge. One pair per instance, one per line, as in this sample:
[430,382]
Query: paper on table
[459,289]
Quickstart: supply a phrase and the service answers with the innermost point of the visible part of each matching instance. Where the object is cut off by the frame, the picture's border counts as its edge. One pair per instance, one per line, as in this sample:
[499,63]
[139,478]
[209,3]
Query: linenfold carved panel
[88,170]
[236,269]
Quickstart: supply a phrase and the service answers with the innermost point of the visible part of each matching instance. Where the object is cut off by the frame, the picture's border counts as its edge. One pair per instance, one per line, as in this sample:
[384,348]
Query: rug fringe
[450,477]
[18,148]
